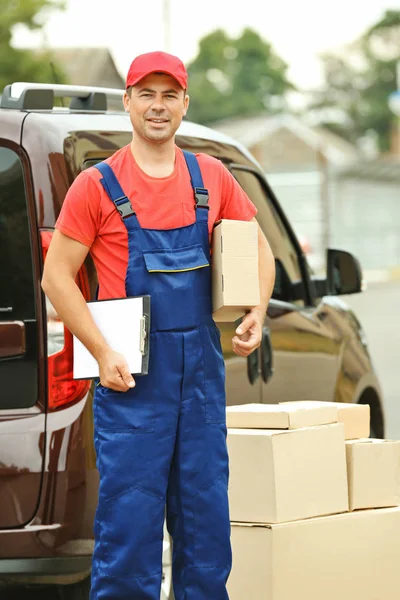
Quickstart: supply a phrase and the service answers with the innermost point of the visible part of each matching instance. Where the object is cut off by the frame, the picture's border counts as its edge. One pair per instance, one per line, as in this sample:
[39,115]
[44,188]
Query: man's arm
[249,333]
[63,261]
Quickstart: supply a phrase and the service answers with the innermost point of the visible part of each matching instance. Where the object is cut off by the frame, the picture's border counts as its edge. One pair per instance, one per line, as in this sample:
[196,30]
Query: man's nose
[158,103]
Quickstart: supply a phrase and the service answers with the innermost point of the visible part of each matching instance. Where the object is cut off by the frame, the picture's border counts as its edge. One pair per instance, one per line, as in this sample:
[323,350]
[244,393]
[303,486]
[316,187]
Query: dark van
[313,347]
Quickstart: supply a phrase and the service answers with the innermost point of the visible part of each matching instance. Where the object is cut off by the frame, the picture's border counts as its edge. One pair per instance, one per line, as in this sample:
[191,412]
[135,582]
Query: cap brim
[136,81]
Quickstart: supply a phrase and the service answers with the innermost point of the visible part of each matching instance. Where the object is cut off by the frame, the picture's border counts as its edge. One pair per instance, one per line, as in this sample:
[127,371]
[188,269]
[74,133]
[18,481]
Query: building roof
[88,66]
[385,170]
[250,131]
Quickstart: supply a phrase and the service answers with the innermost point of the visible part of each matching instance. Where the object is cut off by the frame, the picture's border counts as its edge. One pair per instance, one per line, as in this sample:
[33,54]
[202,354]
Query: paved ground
[378,309]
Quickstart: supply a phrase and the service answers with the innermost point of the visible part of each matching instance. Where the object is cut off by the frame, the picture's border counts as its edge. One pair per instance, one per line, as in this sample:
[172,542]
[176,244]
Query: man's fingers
[247,329]
[245,325]
[237,350]
[114,372]
[240,352]
[242,344]
[126,377]
[244,348]
[119,382]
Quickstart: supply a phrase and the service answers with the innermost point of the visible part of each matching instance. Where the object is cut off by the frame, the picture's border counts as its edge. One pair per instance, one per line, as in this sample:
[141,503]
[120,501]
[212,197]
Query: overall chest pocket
[180,260]
[179,283]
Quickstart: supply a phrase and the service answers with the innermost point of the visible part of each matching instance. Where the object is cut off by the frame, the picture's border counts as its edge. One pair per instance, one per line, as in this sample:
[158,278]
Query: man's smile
[157,120]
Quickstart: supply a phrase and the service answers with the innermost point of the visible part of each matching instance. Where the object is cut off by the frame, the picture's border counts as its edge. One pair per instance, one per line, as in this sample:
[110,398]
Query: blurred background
[310,88]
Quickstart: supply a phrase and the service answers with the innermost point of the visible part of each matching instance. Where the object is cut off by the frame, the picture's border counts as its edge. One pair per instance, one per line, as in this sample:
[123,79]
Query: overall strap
[196,179]
[115,192]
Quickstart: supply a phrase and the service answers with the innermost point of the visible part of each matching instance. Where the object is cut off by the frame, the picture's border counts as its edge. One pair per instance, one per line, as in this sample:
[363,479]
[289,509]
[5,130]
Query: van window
[16,270]
[271,224]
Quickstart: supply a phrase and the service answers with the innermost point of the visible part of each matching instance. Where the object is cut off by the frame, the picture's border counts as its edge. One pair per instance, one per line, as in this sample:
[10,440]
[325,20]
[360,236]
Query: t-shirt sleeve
[79,217]
[235,203]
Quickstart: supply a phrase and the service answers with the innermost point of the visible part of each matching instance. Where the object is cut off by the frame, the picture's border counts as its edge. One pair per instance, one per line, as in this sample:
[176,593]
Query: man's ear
[125,101]
[186,105]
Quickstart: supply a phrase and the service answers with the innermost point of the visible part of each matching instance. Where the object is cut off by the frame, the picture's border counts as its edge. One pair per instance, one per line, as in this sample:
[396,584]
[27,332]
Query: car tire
[75,591]
[372,433]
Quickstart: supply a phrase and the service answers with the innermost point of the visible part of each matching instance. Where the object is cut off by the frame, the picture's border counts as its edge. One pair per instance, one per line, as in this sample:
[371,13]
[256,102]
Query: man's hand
[249,333]
[114,372]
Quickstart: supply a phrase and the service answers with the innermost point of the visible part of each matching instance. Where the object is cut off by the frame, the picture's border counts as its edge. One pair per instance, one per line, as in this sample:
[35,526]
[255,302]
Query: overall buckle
[202,197]
[124,208]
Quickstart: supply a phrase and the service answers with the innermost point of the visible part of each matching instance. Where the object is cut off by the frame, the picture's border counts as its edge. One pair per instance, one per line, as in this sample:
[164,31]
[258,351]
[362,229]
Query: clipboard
[125,325]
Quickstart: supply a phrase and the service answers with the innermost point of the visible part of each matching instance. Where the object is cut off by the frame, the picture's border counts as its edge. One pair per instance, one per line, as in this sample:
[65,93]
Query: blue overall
[163,443]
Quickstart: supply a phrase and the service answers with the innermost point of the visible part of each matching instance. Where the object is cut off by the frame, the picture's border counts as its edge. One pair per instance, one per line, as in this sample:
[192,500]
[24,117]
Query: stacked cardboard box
[355,417]
[373,468]
[293,479]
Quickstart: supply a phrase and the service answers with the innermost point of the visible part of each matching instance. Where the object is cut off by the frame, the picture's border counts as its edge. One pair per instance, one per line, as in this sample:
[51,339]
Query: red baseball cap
[157,62]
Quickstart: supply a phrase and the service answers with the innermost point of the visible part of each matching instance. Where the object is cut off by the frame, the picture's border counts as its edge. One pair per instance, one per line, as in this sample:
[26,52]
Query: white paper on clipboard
[124,324]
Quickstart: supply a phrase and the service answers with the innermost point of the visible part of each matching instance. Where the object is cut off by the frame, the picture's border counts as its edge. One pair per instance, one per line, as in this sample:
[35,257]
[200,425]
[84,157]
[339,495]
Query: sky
[298,30]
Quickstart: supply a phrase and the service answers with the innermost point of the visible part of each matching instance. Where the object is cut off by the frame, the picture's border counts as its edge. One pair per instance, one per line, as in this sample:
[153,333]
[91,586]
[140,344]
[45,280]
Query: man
[162,439]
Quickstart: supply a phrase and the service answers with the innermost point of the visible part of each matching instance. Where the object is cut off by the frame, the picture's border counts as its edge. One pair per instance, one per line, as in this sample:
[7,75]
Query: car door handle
[253,372]
[267,369]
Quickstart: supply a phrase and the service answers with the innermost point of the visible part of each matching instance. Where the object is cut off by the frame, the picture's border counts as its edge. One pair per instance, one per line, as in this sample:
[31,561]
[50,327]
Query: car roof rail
[40,96]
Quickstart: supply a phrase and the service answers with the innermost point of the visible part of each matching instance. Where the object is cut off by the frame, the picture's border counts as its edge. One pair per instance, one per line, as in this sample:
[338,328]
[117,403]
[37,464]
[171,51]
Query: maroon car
[313,346]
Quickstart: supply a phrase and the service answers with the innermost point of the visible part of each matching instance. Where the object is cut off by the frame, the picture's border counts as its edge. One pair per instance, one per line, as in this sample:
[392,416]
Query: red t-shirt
[89,216]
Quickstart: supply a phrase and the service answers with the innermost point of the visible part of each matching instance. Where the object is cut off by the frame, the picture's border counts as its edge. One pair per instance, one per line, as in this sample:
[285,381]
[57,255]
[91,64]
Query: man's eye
[145,96]
[171,96]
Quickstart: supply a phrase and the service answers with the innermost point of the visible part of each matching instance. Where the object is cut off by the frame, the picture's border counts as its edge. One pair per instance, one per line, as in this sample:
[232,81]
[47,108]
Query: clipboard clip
[143,334]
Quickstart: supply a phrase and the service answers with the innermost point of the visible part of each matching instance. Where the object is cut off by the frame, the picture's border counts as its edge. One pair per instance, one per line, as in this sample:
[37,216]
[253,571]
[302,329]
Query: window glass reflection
[16,272]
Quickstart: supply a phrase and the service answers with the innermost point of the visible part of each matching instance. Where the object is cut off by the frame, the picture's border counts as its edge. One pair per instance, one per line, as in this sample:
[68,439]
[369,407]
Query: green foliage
[231,77]
[23,65]
[383,38]
[360,82]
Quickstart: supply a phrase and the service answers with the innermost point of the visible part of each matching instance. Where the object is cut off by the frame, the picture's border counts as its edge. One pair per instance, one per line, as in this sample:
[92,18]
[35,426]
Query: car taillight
[62,388]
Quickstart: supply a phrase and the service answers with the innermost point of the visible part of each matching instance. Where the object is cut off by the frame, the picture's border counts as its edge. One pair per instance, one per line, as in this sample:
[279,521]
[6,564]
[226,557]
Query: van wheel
[377,421]
[76,591]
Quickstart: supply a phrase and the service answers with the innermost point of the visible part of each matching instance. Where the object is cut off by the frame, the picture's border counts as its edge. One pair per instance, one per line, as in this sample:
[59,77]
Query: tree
[232,77]
[359,83]
[23,65]
[382,40]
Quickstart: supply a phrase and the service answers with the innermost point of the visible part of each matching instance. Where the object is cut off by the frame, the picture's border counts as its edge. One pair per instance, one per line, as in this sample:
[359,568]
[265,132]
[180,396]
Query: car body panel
[306,355]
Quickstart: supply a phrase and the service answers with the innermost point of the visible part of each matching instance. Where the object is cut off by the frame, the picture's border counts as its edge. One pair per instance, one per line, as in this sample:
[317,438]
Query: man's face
[157,105]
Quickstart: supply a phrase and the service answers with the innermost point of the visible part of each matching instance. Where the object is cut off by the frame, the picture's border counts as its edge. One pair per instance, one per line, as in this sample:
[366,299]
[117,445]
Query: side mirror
[344,274]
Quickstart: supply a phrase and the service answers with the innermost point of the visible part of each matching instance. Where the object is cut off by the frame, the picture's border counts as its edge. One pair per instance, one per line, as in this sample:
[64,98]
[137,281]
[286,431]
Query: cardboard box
[354,556]
[278,476]
[235,282]
[276,416]
[373,470]
[355,417]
